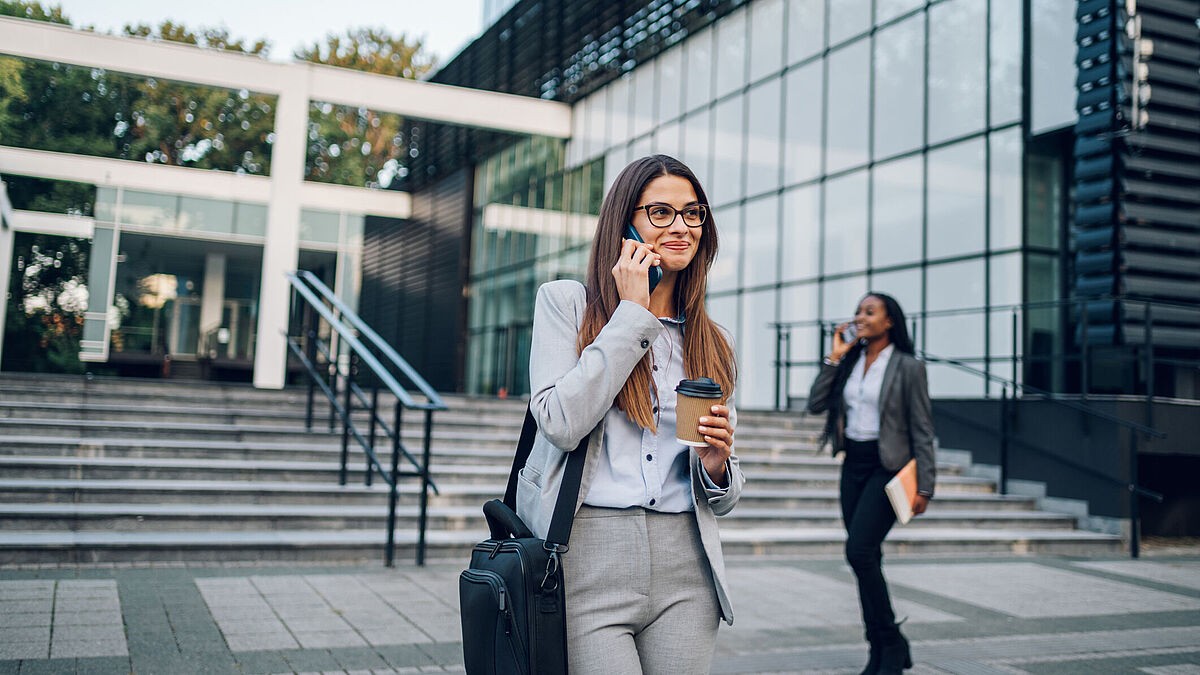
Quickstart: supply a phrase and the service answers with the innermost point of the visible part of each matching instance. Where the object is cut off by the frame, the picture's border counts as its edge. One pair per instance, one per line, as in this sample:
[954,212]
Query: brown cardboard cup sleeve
[694,399]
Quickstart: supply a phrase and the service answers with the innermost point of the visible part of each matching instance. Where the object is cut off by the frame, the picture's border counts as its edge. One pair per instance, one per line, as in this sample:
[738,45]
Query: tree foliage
[47,298]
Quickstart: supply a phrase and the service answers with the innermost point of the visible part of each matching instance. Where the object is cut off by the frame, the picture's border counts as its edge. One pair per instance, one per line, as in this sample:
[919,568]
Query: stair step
[363,545]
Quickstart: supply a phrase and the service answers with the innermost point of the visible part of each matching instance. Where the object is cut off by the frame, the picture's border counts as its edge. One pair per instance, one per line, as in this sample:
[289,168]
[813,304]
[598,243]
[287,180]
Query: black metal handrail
[303,285]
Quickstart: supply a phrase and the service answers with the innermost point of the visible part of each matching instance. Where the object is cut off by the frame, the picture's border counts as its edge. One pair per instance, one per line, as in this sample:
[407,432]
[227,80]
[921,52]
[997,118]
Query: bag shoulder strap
[568,495]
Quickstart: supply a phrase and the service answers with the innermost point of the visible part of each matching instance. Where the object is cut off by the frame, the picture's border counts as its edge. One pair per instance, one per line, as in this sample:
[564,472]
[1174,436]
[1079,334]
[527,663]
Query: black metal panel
[1137,157]
[414,272]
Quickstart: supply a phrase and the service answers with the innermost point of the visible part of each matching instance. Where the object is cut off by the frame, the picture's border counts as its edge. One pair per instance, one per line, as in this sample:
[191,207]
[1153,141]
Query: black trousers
[868,516]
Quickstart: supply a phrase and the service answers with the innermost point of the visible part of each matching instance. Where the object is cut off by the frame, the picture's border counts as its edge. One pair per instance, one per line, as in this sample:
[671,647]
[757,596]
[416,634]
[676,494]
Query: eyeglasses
[662,215]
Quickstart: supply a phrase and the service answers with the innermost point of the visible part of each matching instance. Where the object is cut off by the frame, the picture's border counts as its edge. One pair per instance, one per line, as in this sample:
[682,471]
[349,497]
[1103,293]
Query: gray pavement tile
[25,649]
[29,605]
[23,620]
[1184,573]
[88,647]
[243,614]
[329,638]
[88,605]
[394,636]
[107,665]
[10,667]
[262,663]
[1178,669]
[251,642]
[327,623]
[1029,590]
[68,618]
[72,633]
[404,656]
[48,667]
[310,659]
[25,634]
[242,627]
[357,658]
[444,652]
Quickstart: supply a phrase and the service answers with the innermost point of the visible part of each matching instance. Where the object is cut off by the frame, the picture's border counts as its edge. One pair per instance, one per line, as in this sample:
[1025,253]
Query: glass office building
[845,145]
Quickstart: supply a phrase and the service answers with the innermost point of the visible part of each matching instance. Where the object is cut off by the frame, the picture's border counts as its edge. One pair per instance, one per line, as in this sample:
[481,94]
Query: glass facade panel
[847,111]
[845,232]
[699,69]
[666,140]
[1004,289]
[896,228]
[806,29]
[731,51]
[1053,62]
[839,298]
[319,226]
[900,87]
[955,219]
[903,285]
[1045,188]
[1004,183]
[957,74]
[644,88]
[728,151]
[801,233]
[205,215]
[949,286]
[886,10]
[799,303]
[149,209]
[762,151]
[697,147]
[756,372]
[670,84]
[848,18]
[723,275]
[106,205]
[761,242]
[724,311]
[766,38]
[802,122]
[596,112]
[620,94]
[250,220]
[1005,62]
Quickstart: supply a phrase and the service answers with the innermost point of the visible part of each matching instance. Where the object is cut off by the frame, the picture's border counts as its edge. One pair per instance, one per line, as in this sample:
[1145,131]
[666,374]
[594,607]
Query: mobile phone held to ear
[654,272]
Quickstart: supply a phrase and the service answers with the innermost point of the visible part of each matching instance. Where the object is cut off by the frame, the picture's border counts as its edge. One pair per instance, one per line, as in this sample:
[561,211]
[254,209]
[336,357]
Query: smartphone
[654,272]
[850,334]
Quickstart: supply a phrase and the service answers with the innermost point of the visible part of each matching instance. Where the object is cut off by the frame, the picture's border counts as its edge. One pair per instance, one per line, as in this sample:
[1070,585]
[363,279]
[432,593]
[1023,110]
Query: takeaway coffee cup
[694,399]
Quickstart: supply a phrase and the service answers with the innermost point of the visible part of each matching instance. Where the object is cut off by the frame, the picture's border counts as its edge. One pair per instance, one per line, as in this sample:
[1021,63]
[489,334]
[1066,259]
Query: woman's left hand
[718,432]
[920,503]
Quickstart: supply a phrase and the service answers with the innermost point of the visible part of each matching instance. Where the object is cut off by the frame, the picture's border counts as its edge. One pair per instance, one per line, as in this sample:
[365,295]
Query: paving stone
[358,659]
[330,638]
[72,633]
[88,647]
[249,642]
[32,605]
[67,618]
[25,649]
[261,663]
[328,623]
[1181,669]
[310,660]
[404,656]
[54,666]
[1184,573]
[1027,590]
[108,665]
[23,620]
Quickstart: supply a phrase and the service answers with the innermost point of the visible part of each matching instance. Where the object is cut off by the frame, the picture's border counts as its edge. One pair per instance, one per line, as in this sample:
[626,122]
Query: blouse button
[655,368]
[645,343]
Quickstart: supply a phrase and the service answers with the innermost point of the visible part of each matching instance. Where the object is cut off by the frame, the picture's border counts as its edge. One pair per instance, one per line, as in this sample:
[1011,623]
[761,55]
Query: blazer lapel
[889,378]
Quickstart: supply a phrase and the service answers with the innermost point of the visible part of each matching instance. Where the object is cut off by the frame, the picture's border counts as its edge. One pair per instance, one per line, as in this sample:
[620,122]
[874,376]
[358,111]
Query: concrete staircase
[111,470]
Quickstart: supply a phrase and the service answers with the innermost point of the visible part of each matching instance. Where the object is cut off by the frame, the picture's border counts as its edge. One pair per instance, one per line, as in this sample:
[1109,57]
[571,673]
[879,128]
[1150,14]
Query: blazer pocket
[530,475]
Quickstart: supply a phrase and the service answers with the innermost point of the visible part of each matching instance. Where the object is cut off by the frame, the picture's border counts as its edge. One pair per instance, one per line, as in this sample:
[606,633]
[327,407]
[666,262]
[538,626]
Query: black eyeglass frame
[675,213]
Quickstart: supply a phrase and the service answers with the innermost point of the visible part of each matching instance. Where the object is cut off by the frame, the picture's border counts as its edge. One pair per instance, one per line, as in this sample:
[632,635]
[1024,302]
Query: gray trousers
[640,596]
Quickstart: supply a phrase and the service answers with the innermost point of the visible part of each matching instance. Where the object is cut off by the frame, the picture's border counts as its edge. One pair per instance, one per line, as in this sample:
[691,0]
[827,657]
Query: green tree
[357,146]
[47,297]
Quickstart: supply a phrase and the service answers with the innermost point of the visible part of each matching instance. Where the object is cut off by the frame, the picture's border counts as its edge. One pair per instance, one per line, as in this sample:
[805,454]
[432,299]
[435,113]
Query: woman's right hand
[632,271]
[840,346]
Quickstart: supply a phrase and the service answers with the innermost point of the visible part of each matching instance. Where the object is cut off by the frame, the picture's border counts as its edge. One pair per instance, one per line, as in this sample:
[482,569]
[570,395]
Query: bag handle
[568,495]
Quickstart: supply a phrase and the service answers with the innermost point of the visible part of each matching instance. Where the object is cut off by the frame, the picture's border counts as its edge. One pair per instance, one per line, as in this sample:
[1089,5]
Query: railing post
[348,409]
[389,557]
[1134,514]
[370,470]
[1084,356]
[334,373]
[1014,351]
[778,362]
[787,369]
[1149,321]
[1004,420]
[425,485]
[310,346]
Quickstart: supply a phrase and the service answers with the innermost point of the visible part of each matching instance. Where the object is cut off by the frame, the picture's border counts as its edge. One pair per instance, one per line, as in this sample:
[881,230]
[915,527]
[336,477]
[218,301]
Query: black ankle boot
[873,663]
[895,656]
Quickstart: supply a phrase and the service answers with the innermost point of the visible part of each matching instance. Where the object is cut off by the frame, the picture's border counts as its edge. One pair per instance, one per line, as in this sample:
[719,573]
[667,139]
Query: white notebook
[902,491]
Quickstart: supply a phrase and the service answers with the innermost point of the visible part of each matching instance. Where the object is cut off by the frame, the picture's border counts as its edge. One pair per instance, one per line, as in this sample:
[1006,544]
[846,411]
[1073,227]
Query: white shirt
[639,467]
[862,396]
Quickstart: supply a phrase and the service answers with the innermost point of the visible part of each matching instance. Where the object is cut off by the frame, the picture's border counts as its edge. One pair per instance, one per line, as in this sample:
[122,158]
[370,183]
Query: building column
[212,300]
[6,253]
[281,252]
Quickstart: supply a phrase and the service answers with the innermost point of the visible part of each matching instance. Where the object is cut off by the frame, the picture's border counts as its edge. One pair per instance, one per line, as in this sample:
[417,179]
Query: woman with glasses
[875,392]
[645,580]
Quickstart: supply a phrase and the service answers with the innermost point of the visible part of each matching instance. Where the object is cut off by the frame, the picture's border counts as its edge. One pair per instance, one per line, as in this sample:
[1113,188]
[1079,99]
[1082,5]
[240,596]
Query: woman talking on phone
[645,580]
[875,392]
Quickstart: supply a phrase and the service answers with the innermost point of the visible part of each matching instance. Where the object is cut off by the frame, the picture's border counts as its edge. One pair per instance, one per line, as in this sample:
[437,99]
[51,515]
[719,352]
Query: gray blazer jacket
[570,395]
[905,416]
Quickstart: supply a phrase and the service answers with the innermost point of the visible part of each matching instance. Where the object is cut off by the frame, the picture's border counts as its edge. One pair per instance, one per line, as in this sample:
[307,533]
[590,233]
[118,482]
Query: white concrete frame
[6,250]
[285,191]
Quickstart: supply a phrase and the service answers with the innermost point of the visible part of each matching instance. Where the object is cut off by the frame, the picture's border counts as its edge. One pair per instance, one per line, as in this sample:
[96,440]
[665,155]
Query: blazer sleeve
[920,426]
[571,391]
[818,395]
[722,500]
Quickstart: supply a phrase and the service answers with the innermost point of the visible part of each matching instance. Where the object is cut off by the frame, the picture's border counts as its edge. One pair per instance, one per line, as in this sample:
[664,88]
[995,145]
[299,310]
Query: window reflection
[957,80]
[848,113]
[848,18]
[845,232]
[761,246]
[801,233]
[802,156]
[762,151]
[956,199]
[806,29]
[896,213]
[899,87]
[728,156]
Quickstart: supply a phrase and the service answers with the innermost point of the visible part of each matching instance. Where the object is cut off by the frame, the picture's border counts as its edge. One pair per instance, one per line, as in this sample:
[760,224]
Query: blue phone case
[655,273]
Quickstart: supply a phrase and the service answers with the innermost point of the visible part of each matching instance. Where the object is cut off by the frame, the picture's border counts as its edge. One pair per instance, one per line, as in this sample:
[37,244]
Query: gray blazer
[570,395]
[905,416]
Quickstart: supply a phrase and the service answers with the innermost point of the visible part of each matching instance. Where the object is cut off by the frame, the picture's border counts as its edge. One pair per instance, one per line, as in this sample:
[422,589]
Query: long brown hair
[706,352]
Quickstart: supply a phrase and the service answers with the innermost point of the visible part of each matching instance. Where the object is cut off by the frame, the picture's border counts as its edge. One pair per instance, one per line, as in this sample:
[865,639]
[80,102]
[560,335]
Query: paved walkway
[981,615]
